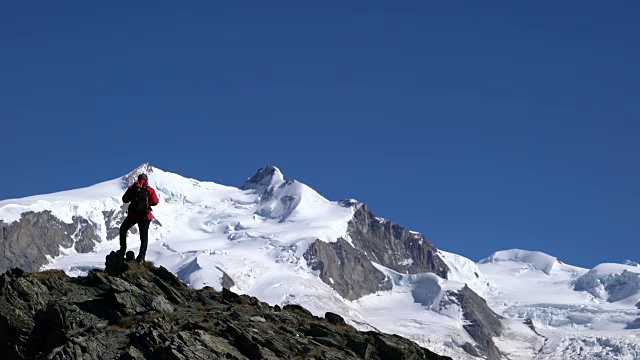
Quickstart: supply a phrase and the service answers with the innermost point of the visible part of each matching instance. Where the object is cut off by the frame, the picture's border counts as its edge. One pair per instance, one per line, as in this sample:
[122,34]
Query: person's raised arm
[127,196]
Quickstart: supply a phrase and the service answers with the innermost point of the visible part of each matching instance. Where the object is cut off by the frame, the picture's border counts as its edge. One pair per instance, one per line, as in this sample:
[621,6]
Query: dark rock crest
[391,245]
[147,313]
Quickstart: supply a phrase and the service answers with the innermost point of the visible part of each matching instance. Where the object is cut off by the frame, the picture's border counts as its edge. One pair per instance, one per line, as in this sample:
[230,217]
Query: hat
[143,177]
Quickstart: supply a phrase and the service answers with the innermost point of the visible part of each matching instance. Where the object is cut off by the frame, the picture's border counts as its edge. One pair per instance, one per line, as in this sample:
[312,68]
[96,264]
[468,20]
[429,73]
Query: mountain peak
[265,178]
[132,177]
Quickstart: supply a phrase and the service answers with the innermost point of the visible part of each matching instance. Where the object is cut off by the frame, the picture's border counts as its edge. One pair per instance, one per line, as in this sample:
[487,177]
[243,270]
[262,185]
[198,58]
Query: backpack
[139,202]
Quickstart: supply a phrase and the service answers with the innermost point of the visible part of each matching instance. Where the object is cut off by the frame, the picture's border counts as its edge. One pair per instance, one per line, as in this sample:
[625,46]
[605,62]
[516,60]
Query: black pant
[143,226]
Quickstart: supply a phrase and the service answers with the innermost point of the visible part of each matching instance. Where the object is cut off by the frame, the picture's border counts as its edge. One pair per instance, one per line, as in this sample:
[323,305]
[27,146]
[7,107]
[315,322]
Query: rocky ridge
[132,311]
[392,245]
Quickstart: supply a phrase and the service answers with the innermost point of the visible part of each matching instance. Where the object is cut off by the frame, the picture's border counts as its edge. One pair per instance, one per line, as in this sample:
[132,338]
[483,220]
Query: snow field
[258,239]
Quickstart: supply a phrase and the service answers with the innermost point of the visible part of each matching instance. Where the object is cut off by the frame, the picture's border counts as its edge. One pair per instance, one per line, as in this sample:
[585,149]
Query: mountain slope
[558,301]
[253,238]
[279,240]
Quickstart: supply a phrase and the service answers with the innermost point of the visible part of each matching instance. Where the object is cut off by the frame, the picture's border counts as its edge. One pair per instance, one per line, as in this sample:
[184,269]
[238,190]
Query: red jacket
[153,200]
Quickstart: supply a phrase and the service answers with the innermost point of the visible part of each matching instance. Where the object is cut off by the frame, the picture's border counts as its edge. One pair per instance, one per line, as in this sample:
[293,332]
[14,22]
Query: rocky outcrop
[147,313]
[132,177]
[391,245]
[346,269]
[263,180]
[113,219]
[277,197]
[482,323]
[26,242]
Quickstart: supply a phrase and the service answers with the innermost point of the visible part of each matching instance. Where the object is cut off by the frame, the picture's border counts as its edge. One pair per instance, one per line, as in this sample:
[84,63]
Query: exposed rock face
[26,242]
[276,202]
[113,219]
[227,281]
[263,179]
[147,313]
[483,324]
[132,177]
[391,245]
[346,269]
[349,271]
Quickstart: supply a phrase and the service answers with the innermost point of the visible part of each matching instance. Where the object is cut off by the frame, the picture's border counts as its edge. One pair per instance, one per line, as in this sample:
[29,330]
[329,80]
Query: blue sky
[484,126]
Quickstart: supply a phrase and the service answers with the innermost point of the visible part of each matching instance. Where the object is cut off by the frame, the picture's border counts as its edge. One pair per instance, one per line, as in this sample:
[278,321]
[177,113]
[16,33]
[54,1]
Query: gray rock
[391,245]
[227,281]
[140,303]
[132,177]
[161,304]
[334,318]
[132,353]
[115,264]
[345,269]
[26,242]
[171,293]
[482,323]
[112,221]
[231,297]
[261,180]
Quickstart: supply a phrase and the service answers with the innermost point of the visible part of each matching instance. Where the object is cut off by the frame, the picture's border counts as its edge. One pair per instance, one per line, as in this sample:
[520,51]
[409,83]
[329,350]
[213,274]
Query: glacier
[257,235]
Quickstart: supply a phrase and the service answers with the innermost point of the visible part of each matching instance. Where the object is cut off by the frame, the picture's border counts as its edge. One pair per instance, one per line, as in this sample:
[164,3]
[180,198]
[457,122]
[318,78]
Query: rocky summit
[139,311]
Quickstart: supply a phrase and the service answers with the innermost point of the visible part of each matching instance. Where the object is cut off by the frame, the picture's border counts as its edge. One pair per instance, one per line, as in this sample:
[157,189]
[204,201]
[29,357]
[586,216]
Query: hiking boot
[139,260]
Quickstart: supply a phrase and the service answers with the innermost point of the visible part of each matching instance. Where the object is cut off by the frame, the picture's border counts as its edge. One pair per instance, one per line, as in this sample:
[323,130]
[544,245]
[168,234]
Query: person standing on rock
[141,197]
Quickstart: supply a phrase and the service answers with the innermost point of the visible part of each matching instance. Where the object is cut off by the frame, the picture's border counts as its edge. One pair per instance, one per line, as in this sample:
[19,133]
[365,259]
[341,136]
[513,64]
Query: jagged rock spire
[132,177]
[263,179]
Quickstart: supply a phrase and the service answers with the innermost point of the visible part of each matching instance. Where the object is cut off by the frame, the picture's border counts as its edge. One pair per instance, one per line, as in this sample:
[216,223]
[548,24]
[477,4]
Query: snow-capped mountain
[281,241]
[582,314]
